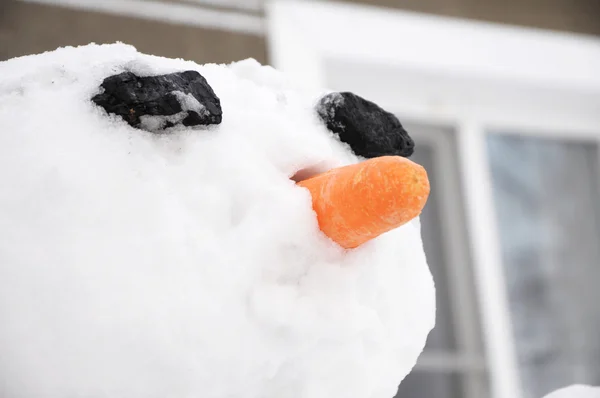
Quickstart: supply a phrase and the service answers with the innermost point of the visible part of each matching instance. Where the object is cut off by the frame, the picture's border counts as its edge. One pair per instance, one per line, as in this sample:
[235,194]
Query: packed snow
[576,391]
[187,264]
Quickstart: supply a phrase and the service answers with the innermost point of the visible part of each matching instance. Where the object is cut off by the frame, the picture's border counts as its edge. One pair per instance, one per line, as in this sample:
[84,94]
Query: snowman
[175,230]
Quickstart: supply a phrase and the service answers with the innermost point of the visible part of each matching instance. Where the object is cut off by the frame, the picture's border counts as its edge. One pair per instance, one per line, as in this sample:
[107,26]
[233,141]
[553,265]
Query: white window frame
[475,76]
[233,15]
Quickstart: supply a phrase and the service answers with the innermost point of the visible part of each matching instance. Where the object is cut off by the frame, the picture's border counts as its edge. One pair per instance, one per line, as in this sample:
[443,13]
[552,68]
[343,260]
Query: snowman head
[152,253]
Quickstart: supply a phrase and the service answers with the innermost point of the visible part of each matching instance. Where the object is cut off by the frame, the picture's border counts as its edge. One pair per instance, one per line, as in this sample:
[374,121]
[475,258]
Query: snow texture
[187,264]
[576,391]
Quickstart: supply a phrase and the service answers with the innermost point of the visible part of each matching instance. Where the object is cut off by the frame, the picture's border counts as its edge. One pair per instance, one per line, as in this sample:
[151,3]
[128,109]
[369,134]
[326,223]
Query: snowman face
[188,263]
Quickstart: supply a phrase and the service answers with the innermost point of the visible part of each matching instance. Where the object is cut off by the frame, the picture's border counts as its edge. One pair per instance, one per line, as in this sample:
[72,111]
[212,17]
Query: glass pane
[456,336]
[442,337]
[548,209]
[420,384]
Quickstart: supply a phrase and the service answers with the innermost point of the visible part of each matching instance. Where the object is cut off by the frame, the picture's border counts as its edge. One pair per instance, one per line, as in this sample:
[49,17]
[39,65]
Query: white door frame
[475,76]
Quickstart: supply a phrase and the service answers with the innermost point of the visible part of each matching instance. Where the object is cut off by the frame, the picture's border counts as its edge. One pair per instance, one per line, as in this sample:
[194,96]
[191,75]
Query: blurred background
[545,190]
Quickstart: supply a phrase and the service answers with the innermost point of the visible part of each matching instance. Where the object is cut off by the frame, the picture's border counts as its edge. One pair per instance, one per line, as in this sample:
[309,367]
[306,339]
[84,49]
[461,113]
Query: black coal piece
[367,128]
[183,98]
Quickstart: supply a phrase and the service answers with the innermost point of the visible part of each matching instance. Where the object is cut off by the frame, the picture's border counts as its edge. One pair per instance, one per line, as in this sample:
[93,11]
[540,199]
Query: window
[452,365]
[548,210]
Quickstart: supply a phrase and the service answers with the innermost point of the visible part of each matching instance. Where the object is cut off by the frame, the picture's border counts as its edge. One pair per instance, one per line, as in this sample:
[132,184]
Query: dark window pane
[442,336]
[441,372]
[548,207]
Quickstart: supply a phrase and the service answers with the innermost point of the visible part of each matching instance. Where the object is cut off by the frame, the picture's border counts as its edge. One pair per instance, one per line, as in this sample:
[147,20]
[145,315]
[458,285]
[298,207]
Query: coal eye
[367,128]
[155,103]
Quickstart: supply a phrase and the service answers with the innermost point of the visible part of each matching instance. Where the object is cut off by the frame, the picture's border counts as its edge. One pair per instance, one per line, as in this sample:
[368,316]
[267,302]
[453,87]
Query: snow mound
[187,264]
[576,391]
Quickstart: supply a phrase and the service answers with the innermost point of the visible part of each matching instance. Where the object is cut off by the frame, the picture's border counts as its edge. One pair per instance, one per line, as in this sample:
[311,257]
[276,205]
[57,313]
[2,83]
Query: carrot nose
[359,202]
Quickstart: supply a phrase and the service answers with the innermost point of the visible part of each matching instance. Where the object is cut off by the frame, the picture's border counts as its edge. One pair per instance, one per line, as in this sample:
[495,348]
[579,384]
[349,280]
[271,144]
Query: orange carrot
[357,203]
